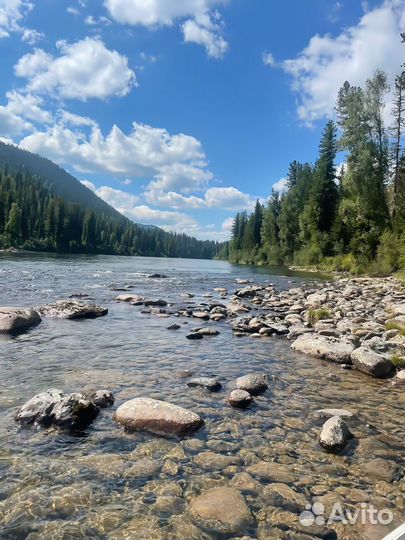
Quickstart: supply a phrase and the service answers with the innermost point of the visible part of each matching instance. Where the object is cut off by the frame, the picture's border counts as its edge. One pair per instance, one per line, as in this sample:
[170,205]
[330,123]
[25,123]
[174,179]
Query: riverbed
[110,485]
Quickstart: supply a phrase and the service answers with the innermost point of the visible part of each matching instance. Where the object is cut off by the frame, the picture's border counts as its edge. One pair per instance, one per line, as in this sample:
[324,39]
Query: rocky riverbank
[358,323]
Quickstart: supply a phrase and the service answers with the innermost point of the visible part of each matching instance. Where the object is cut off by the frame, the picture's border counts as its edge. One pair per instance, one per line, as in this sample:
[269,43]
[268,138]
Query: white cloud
[11,14]
[31,36]
[281,185]
[268,59]
[28,106]
[174,162]
[72,10]
[20,108]
[127,204]
[227,224]
[226,198]
[85,69]
[201,26]
[97,21]
[157,12]
[323,66]
[66,117]
[205,31]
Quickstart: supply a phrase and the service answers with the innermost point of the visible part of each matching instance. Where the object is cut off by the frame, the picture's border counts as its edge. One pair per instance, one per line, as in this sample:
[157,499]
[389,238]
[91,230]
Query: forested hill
[64,184]
[44,208]
[347,218]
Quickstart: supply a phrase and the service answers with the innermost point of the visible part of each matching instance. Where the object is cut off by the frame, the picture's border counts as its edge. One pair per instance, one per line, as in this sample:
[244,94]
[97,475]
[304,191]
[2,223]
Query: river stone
[71,309]
[281,495]
[101,398]
[271,471]
[239,399]
[327,348]
[372,363]
[15,319]
[334,434]
[400,376]
[194,335]
[174,326]
[328,413]
[156,303]
[74,411]
[224,509]
[38,410]
[210,383]
[157,417]
[381,469]
[206,331]
[134,299]
[201,315]
[254,383]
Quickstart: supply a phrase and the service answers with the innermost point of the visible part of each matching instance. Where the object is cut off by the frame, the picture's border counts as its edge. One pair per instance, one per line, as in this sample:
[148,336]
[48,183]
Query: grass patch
[394,325]
[398,361]
[315,315]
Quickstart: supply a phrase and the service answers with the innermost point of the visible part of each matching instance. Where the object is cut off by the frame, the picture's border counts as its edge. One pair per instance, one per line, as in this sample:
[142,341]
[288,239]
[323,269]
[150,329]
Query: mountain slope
[44,208]
[64,184]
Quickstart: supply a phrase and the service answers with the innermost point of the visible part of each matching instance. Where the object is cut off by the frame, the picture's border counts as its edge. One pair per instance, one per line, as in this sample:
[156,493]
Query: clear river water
[111,485]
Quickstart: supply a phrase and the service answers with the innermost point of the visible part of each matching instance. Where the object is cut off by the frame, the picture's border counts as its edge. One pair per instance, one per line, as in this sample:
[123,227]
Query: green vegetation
[398,361]
[351,219]
[396,325]
[34,217]
[315,315]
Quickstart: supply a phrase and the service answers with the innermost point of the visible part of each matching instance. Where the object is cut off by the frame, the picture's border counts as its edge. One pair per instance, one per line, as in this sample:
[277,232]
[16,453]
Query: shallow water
[106,484]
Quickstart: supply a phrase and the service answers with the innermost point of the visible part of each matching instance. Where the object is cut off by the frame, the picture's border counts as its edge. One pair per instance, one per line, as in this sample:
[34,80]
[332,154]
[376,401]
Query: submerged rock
[335,434]
[157,417]
[210,383]
[194,335]
[157,303]
[157,276]
[174,327]
[133,299]
[38,409]
[254,383]
[239,399]
[328,413]
[372,363]
[72,309]
[223,509]
[327,348]
[16,319]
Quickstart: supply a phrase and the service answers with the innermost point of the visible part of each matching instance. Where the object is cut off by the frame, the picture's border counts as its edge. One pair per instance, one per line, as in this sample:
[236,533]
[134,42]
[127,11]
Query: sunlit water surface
[107,484]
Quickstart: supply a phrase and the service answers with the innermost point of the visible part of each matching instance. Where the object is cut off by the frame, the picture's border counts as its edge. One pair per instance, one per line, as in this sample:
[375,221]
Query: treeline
[33,217]
[351,219]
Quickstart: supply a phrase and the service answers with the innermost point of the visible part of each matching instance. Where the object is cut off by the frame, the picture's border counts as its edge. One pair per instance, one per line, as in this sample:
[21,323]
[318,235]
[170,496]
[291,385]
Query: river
[110,485]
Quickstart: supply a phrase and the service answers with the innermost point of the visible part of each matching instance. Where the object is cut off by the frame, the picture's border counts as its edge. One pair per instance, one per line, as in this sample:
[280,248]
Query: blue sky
[181,112]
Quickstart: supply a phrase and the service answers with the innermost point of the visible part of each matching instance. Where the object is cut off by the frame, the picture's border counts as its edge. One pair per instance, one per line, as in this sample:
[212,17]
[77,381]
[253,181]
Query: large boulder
[254,383]
[17,319]
[74,411]
[222,509]
[334,434]
[327,348]
[38,410]
[157,417]
[72,309]
[372,363]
